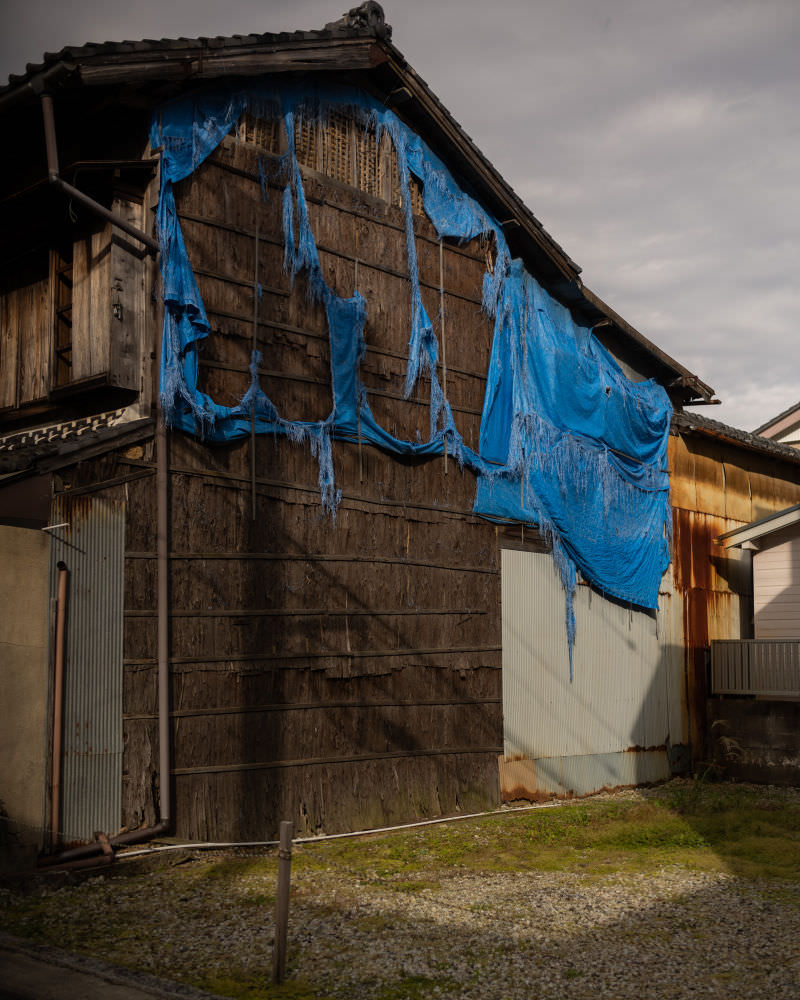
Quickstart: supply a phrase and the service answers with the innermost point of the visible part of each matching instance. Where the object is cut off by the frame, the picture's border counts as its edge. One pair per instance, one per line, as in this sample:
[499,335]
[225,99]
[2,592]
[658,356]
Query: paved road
[35,972]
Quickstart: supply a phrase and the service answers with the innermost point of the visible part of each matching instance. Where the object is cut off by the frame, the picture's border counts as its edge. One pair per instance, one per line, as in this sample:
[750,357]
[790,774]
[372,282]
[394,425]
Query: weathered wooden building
[230,653]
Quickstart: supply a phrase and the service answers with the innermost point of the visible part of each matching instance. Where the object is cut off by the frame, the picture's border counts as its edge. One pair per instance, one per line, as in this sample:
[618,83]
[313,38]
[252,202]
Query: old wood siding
[127,276]
[91,304]
[74,315]
[108,275]
[339,673]
[717,486]
[25,341]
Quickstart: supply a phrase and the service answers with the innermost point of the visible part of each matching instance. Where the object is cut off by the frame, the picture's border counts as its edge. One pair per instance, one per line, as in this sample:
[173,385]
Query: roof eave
[683,379]
[188,60]
[197,59]
[759,529]
[565,281]
[694,423]
[515,216]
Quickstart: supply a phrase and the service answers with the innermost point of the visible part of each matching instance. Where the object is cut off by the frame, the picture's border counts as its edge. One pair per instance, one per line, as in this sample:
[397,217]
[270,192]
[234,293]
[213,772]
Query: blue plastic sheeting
[567,442]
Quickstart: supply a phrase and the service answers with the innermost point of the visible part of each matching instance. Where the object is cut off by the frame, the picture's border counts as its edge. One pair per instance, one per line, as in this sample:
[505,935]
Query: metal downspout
[54,177]
[162,543]
[58,703]
[85,855]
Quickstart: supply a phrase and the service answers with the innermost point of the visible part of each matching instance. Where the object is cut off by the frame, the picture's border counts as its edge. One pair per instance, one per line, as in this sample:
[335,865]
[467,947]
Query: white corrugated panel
[625,694]
[93,547]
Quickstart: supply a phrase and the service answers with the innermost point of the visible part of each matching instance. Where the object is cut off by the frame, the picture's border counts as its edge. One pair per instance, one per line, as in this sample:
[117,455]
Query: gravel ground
[532,935]
[669,935]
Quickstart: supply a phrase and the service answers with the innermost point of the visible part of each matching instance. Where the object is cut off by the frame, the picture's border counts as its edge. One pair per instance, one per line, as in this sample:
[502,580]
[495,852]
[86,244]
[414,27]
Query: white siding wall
[789,436]
[776,587]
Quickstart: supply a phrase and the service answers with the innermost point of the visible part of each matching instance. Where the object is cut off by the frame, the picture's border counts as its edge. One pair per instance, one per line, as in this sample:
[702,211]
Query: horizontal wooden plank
[301,612]
[324,249]
[235,481]
[285,557]
[314,335]
[311,706]
[351,759]
[356,654]
[207,63]
[385,223]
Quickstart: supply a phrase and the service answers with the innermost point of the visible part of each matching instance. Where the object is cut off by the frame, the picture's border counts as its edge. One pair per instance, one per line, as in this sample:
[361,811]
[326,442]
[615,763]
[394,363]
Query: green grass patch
[744,830]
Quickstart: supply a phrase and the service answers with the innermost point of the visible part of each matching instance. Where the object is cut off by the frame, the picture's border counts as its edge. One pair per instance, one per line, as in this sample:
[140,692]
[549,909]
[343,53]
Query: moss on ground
[746,831]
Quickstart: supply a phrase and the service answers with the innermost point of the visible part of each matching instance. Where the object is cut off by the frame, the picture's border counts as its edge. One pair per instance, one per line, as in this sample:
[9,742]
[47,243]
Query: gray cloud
[658,142]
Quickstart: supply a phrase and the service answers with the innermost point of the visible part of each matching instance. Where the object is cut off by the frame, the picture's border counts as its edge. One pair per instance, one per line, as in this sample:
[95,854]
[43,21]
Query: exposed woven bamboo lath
[261,132]
[344,150]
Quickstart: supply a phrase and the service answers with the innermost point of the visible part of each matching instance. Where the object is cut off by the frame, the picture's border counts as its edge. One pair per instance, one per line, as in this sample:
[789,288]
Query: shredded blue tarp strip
[567,443]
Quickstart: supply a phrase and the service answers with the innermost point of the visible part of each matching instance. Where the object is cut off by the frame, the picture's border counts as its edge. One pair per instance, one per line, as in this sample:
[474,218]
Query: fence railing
[763,667]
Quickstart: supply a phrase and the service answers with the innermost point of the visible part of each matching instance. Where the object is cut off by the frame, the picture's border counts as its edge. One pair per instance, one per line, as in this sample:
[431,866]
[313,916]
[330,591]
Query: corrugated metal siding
[547,776]
[93,548]
[612,723]
[763,667]
[716,486]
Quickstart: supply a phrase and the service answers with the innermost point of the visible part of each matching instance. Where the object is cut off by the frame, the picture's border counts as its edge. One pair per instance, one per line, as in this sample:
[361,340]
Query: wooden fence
[766,668]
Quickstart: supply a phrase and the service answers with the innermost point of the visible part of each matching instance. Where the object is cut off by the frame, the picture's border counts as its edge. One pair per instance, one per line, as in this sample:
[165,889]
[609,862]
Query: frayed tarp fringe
[567,442]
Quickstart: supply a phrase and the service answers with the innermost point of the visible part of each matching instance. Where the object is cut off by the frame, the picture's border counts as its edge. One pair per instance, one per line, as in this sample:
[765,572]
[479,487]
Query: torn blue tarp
[568,443]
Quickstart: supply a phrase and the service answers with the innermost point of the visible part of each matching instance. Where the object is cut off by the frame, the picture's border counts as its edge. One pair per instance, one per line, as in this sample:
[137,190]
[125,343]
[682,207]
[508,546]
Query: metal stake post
[282,902]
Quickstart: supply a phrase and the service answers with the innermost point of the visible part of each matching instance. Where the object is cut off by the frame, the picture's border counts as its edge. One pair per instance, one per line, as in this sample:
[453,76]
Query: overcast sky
[657,140]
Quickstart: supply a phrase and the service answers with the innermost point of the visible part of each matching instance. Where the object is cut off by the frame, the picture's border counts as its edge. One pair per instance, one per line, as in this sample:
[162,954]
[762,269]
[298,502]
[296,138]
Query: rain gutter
[36,85]
[56,180]
[58,703]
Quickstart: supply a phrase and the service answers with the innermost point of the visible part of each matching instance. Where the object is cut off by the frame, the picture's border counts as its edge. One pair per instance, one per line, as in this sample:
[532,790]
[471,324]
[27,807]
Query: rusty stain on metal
[522,794]
[104,842]
[716,487]
[693,538]
[543,778]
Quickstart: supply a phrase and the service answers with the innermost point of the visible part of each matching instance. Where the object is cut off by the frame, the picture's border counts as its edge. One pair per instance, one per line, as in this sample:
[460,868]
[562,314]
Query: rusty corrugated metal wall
[92,545]
[717,486]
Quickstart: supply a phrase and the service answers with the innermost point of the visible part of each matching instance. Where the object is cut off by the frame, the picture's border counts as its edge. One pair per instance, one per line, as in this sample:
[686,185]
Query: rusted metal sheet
[673,640]
[580,735]
[91,543]
[549,777]
[683,492]
[738,501]
[716,487]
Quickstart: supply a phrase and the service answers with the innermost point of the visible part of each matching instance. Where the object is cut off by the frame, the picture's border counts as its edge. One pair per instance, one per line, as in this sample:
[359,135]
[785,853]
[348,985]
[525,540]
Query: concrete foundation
[765,735]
